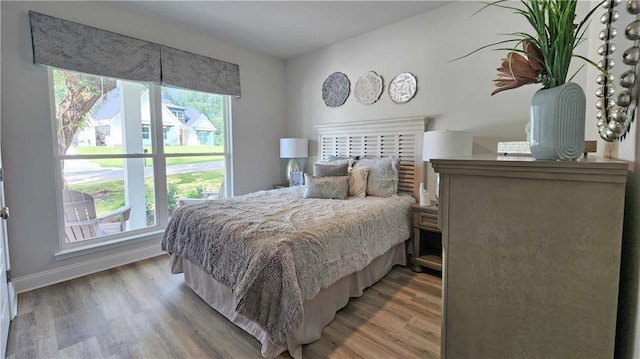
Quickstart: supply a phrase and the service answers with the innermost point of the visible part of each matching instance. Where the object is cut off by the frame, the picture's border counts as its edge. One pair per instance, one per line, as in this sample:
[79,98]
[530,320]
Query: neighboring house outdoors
[182,126]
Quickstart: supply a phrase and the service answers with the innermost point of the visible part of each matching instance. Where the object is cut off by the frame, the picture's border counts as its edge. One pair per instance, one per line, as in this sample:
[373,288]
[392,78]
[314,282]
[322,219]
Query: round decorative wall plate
[403,87]
[368,88]
[335,89]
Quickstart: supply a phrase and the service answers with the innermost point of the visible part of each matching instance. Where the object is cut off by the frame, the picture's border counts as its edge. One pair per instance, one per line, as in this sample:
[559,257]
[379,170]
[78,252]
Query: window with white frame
[178,114]
[130,184]
[165,132]
[203,136]
[146,132]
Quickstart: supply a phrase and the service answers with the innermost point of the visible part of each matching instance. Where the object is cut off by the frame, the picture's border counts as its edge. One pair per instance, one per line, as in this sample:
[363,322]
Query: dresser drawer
[427,220]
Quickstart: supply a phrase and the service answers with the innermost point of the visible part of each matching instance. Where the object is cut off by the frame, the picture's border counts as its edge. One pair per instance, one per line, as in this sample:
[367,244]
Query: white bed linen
[318,312]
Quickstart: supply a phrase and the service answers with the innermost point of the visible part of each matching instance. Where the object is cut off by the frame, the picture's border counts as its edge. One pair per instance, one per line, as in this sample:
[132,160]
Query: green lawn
[109,195]
[117,163]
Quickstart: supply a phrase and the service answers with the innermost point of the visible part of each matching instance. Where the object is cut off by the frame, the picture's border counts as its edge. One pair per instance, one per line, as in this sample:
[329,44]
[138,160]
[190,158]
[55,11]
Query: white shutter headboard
[400,137]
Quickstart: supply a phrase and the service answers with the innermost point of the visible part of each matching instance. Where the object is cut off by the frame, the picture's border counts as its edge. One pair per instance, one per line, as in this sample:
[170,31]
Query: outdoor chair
[81,221]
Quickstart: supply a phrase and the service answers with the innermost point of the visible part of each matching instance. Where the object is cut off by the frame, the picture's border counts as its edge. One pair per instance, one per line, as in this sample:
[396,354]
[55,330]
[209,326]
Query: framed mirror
[618,84]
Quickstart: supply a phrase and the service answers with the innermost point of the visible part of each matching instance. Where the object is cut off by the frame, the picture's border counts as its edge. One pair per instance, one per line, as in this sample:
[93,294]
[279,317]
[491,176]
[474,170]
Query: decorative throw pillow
[326,187]
[330,169]
[383,176]
[336,158]
[351,160]
[358,182]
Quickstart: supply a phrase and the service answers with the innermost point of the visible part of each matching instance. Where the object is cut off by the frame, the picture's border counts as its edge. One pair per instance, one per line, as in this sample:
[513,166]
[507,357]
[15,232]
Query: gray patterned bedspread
[275,249]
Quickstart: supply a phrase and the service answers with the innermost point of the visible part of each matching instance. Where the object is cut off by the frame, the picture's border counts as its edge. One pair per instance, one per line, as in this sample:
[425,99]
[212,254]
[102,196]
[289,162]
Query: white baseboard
[61,274]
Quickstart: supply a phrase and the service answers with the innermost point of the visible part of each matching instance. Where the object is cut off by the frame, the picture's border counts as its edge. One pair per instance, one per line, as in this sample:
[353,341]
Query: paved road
[106,174]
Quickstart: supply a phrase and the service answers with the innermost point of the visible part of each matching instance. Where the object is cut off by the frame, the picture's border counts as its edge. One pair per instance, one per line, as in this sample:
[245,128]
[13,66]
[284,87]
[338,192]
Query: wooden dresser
[531,253]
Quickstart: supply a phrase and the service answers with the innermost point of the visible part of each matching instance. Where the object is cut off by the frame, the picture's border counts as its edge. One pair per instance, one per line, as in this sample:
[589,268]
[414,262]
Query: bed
[280,266]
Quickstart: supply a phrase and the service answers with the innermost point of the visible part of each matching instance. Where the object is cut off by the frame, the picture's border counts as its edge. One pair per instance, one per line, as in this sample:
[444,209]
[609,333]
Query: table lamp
[293,148]
[445,144]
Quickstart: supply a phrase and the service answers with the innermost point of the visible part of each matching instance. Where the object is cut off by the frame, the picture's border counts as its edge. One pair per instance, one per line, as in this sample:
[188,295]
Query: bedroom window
[146,132]
[203,136]
[127,181]
[198,167]
[178,114]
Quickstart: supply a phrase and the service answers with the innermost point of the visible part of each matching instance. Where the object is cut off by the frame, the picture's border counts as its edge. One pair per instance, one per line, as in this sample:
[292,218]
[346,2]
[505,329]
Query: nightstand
[281,185]
[427,238]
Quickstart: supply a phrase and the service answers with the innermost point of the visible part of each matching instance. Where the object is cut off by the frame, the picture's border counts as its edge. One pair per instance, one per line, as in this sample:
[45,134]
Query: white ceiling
[281,28]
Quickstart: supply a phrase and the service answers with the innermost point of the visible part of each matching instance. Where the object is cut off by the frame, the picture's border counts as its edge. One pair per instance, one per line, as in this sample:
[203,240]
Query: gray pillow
[338,158]
[335,187]
[330,169]
[351,160]
[383,176]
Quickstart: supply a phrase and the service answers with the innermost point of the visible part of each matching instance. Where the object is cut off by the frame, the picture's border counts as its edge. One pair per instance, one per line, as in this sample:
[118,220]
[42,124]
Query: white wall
[455,94]
[27,144]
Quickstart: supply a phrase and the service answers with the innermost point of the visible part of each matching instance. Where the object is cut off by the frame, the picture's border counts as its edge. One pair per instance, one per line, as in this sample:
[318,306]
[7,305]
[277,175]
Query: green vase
[557,123]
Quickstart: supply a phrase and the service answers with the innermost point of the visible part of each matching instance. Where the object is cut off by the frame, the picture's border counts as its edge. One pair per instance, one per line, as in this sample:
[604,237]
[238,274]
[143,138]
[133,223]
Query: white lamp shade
[446,144]
[294,148]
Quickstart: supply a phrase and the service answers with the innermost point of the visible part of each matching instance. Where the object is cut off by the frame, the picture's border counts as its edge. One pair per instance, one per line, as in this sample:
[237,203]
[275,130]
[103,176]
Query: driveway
[105,174]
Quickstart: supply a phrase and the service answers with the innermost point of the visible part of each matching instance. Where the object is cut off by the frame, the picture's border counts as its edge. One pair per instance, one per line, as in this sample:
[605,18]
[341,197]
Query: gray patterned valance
[72,46]
[197,72]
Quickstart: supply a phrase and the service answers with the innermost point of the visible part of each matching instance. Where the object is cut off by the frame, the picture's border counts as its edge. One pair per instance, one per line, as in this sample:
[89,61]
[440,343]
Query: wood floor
[142,311]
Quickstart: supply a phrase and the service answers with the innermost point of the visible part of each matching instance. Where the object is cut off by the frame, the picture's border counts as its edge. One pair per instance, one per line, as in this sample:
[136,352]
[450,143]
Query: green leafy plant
[150,214]
[196,192]
[172,197]
[547,52]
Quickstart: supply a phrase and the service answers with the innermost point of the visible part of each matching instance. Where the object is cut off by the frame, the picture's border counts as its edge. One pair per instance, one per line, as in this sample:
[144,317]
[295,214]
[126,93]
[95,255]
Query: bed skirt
[318,312]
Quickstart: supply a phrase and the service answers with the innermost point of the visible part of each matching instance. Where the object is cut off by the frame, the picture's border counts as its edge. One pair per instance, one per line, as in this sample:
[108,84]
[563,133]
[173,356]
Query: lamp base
[292,166]
[436,192]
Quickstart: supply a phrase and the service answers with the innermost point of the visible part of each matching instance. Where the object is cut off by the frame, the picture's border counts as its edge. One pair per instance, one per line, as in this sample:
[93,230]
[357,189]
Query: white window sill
[94,247]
